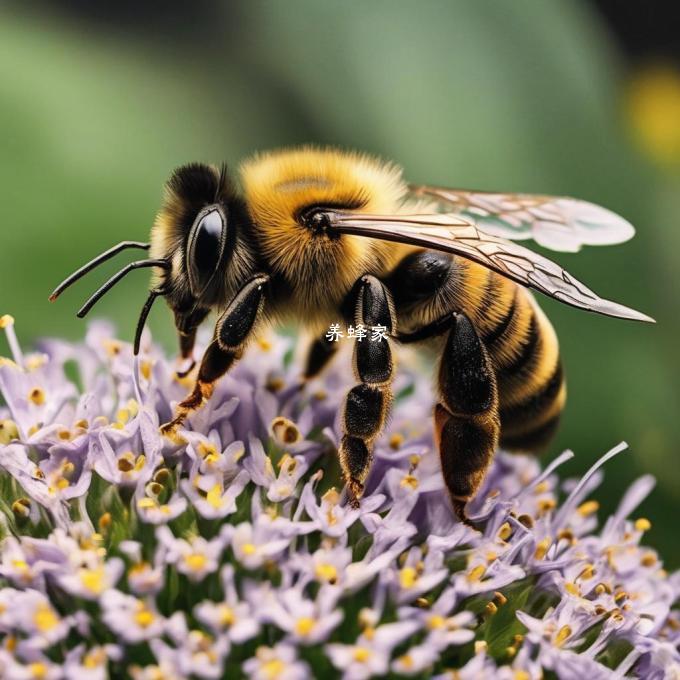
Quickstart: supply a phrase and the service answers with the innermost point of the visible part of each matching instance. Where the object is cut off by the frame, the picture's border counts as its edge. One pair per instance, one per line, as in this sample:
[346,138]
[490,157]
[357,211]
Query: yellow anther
[195,561]
[326,572]
[588,508]
[214,496]
[409,481]
[37,396]
[499,598]
[648,560]
[361,654]
[38,670]
[480,646]
[94,658]
[145,368]
[505,531]
[572,588]
[6,320]
[435,621]
[227,617]
[521,675]
[304,626]
[562,635]
[546,505]
[144,618]
[396,440]
[93,579]
[146,503]
[8,431]
[642,524]
[21,509]
[587,573]
[408,577]
[476,573]
[541,488]
[45,619]
[248,549]
[542,548]
[285,431]
[491,608]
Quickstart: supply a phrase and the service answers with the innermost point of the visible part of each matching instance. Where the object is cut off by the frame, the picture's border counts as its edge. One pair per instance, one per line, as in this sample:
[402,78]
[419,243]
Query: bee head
[196,231]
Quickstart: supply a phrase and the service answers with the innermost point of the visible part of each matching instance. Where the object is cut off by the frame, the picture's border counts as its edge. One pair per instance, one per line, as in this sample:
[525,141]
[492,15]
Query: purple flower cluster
[233,553]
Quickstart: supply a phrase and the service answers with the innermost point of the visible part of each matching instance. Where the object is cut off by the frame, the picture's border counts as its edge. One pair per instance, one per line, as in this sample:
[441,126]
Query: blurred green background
[98,104]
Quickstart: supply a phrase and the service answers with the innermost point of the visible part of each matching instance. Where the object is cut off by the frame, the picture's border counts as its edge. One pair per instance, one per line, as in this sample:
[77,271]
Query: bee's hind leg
[367,403]
[233,329]
[467,424]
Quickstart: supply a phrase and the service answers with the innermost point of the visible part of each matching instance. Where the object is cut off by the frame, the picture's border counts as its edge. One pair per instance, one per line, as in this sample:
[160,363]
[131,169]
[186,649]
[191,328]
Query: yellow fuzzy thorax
[279,184]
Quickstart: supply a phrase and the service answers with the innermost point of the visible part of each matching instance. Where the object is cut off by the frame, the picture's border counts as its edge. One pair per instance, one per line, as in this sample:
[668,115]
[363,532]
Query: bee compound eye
[206,245]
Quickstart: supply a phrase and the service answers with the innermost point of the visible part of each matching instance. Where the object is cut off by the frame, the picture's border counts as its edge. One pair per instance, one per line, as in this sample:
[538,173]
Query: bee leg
[232,332]
[367,404]
[467,423]
[187,325]
[320,352]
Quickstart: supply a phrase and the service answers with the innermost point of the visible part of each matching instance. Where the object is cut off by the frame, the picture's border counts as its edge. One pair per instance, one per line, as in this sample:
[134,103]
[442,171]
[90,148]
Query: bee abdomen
[531,386]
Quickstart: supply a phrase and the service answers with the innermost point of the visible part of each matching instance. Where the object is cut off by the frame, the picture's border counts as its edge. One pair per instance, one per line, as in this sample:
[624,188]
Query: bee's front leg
[233,329]
[367,404]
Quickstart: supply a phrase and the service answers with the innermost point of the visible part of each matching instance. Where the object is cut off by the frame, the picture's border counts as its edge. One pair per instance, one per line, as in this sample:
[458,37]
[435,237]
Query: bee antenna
[106,255]
[143,316]
[116,278]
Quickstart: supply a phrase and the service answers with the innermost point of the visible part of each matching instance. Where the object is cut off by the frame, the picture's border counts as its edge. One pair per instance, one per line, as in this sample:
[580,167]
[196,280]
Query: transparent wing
[563,224]
[456,234]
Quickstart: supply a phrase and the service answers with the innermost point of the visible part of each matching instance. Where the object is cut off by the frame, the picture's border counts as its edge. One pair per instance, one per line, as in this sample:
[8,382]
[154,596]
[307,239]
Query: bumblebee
[316,235]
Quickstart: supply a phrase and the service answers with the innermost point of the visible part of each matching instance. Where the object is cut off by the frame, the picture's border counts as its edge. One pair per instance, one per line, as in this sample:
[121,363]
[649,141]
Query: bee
[315,235]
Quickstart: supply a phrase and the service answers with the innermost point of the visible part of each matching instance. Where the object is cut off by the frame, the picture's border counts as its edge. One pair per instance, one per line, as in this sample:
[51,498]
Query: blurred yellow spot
[273,669]
[38,670]
[410,481]
[227,617]
[6,320]
[406,661]
[8,431]
[326,572]
[542,548]
[248,549]
[396,440]
[214,496]
[94,658]
[653,104]
[196,561]
[304,626]
[361,654]
[93,579]
[588,508]
[436,621]
[491,608]
[408,577]
[505,531]
[144,618]
[476,573]
[45,619]
[643,524]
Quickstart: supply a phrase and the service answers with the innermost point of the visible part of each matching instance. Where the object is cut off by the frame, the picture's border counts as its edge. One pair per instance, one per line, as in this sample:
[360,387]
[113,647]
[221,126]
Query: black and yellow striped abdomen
[525,354]
[520,339]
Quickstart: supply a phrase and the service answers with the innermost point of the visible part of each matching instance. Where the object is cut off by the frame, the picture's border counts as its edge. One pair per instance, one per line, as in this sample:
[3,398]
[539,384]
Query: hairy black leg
[467,423]
[367,404]
[232,332]
[187,325]
[320,352]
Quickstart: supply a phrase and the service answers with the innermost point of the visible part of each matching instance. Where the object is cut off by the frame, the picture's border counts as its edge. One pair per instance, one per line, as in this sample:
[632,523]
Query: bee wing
[456,234]
[557,223]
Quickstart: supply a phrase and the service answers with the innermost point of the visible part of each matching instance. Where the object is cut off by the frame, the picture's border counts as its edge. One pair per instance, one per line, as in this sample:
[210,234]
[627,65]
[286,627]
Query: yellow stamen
[436,621]
[196,561]
[326,572]
[45,619]
[227,617]
[93,579]
[361,654]
[476,573]
[642,524]
[410,481]
[273,669]
[248,549]
[588,508]
[304,626]
[408,577]
[562,635]
[542,548]
[214,496]
[144,618]
[37,396]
